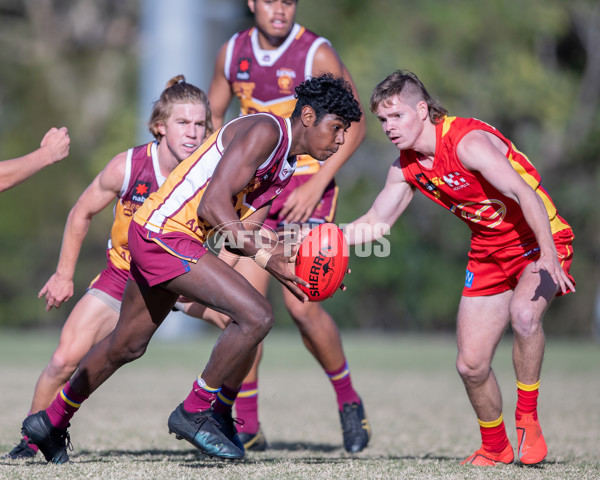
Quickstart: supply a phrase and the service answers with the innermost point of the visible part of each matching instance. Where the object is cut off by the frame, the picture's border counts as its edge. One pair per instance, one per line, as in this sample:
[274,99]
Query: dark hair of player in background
[327,94]
[177,90]
[409,88]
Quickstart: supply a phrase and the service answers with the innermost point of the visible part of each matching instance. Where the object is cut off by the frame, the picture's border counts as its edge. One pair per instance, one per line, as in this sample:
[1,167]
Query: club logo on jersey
[427,184]
[141,191]
[244,90]
[285,80]
[243,72]
[469,279]
[455,181]
[490,212]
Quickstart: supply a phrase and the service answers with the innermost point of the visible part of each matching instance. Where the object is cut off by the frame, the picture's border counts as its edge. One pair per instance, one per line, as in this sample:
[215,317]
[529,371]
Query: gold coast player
[229,183]
[520,248]
[261,66]
[180,121]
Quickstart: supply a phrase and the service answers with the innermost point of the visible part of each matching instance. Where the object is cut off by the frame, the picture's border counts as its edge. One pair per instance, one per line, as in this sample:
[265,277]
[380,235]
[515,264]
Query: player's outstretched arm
[103,190]
[53,148]
[388,206]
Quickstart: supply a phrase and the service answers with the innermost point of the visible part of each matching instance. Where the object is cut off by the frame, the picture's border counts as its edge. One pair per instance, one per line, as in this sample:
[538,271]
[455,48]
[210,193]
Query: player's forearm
[536,216]
[75,232]
[365,229]
[17,170]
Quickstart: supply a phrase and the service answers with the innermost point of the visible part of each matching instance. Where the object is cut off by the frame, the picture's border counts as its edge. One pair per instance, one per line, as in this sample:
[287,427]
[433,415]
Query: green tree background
[531,68]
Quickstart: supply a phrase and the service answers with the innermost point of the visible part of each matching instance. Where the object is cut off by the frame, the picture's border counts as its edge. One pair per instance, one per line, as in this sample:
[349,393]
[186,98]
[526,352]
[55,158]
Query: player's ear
[160,127]
[251,5]
[308,115]
[422,110]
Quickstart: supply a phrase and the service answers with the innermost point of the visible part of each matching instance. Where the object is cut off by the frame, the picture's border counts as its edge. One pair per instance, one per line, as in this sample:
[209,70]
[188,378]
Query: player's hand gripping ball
[322,261]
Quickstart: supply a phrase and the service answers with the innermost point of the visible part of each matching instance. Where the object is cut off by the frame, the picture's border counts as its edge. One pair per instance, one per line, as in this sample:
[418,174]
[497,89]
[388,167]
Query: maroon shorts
[324,212]
[500,271]
[111,280]
[156,257]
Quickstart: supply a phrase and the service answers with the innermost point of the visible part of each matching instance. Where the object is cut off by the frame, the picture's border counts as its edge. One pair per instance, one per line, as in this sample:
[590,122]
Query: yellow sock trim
[248,393]
[69,401]
[493,423]
[202,384]
[224,399]
[528,388]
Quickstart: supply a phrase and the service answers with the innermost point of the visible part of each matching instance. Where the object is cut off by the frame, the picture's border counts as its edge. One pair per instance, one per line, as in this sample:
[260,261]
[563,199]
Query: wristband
[262,257]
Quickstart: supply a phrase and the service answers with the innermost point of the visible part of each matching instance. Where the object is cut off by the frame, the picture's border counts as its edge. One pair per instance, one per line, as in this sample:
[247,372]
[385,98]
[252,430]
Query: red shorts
[324,212]
[156,257]
[111,280]
[500,271]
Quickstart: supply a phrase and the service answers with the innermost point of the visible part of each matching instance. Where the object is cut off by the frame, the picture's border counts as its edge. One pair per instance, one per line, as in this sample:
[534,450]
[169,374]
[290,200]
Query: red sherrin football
[322,261]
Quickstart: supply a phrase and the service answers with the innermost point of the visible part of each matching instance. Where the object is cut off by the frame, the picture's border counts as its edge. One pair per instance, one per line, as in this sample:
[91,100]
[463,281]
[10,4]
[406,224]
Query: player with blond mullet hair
[521,249]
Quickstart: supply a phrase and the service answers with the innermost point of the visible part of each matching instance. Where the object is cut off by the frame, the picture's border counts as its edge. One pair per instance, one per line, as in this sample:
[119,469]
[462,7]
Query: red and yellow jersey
[264,80]
[174,207]
[493,218]
[142,177]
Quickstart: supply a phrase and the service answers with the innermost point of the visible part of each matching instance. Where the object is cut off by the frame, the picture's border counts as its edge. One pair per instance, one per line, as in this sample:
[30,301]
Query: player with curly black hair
[227,183]
[327,94]
[261,66]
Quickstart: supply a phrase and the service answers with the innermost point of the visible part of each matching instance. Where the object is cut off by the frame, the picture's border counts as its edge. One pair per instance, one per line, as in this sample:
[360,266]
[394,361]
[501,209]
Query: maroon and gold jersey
[174,207]
[142,177]
[264,80]
[495,220]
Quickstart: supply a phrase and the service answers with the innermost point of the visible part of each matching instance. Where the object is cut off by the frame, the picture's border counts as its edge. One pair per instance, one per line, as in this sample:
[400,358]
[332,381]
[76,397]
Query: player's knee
[61,366]
[472,371]
[122,354]
[524,320]
[258,321]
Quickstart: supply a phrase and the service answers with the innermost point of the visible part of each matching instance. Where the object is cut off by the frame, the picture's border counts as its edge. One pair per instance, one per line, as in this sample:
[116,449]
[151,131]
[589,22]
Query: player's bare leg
[322,338]
[246,404]
[89,322]
[318,330]
[532,297]
[480,326]
[210,281]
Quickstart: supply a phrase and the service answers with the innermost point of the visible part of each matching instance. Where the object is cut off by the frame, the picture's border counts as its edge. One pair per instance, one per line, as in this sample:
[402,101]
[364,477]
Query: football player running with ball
[261,66]
[521,249]
[228,183]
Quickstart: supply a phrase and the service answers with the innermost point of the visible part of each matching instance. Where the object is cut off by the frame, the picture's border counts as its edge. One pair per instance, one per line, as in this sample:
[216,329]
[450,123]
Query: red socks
[527,396]
[493,435]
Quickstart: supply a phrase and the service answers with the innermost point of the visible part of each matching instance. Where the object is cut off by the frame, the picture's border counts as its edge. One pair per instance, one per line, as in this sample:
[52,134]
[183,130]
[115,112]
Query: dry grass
[421,419]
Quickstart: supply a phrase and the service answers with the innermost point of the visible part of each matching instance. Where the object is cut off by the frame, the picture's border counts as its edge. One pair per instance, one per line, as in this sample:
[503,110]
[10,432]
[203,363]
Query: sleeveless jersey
[494,219]
[264,80]
[174,207]
[142,177]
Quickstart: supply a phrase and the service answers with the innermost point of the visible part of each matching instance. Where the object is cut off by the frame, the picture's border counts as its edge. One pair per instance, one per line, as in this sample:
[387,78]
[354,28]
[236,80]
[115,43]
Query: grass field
[422,423]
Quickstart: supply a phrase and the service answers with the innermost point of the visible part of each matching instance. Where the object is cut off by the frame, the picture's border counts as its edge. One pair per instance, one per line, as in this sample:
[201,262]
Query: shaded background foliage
[531,69]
